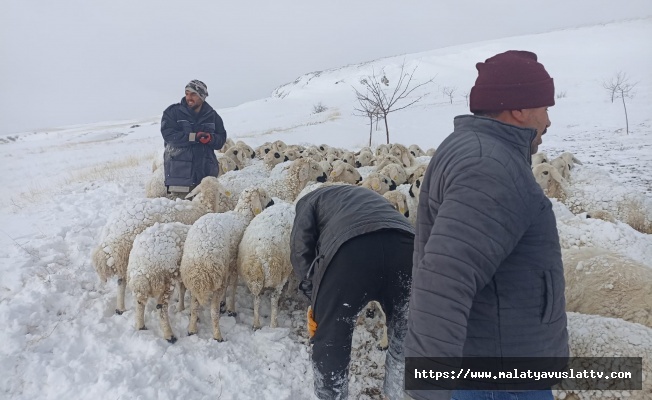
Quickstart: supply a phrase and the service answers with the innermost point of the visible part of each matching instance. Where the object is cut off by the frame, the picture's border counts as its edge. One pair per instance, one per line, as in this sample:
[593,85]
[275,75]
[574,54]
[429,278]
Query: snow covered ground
[60,336]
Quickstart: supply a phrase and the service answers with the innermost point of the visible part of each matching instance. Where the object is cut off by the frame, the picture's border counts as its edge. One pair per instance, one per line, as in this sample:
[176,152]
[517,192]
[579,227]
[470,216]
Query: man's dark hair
[489,114]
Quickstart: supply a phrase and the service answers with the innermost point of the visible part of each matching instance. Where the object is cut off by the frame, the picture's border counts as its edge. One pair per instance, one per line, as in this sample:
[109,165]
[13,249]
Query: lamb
[210,253]
[264,256]
[595,189]
[416,172]
[227,145]
[344,172]
[602,338]
[383,160]
[396,172]
[279,145]
[402,153]
[155,186]
[608,284]
[273,158]
[263,149]
[248,151]
[562,166]
[431,152]
[364,159]
[399,201]
[292,154]
[287,185]
[379,183]
[111,256]
[382,149]
[570,159]
[312,152]
[153,270]
[348,157]
[416,151]
[239,156]
[539,158]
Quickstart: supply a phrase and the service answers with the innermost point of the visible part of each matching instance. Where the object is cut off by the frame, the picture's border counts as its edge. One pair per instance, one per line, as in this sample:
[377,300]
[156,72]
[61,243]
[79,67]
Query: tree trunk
[371,128]
[622,96]
[386,127]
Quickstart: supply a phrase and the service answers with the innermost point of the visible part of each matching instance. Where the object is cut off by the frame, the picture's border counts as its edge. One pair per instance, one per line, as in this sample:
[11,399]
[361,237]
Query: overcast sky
[72,62]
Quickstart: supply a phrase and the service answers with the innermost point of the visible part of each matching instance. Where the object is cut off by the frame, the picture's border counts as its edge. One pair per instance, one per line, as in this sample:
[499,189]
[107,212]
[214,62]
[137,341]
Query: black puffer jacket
[329,216]
[188,161]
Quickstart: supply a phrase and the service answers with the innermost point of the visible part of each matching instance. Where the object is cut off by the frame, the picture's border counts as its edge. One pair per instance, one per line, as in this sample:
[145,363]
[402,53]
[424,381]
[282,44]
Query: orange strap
[312,325]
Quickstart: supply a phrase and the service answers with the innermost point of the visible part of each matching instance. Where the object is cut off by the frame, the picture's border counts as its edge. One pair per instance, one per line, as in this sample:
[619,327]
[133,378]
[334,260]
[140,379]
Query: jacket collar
[205,108]
[520,138]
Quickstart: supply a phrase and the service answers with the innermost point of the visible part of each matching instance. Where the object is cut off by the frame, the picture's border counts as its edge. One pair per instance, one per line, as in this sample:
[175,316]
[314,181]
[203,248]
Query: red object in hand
[204,137]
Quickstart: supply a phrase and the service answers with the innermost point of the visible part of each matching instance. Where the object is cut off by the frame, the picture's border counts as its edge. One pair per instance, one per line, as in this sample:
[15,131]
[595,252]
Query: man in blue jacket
[488,279]
[192,130]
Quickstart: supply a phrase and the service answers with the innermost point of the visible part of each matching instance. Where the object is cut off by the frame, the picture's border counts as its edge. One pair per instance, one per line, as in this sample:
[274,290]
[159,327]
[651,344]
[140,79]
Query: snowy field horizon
[61,336]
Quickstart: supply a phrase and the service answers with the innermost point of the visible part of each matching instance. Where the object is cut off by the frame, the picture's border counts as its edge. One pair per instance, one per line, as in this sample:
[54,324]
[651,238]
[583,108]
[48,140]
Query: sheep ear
[304,172]
[375,184]
[556,175]
[576,161]
[256,205]
[194,192]
[337,171]
[405,159]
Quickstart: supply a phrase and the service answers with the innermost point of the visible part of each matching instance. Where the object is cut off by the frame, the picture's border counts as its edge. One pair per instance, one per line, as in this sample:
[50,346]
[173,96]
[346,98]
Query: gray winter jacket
[186,160]
[488,279]
[329,216]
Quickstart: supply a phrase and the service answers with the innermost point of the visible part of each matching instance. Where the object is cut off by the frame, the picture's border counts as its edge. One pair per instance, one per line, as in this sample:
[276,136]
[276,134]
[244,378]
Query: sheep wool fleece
[488,278]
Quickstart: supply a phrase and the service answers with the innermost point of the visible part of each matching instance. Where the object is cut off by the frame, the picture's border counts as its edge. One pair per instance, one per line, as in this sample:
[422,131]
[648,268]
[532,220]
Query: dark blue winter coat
[187,161]
[488,279]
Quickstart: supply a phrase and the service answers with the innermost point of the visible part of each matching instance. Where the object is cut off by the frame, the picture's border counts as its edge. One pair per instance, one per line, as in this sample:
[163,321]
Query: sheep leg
[141,302]
[164,317]
[182,295]
[384,342]
[256,311]
[233,280]
[122,285]
[275,296]
[215,313]
[194,315]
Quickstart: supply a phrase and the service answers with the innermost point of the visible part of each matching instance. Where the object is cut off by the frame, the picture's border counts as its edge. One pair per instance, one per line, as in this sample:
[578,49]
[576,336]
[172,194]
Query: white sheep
[279,145]
[111,256]
[273,158]
[153,270]
[600,338]
[608,284]
[155,186]
[364,159]
[292,154]
[595,189]
[210,254]
[386,159]
[344,172]
[601,214]
[244,147]
[227,145]
[570,159]
[402,153]
[431,152]
[378,182]
[398,200]
[238,155]
[312,152]
[287,184]
[396,172]
[540,158]
[416,172]
[382,149]
[264,256]
[416,150]
[348,157]
[263,149]
[562,166]
[411,200]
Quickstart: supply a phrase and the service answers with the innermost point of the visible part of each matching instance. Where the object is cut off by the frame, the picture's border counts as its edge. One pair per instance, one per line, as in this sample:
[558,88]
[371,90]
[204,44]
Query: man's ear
[519,115]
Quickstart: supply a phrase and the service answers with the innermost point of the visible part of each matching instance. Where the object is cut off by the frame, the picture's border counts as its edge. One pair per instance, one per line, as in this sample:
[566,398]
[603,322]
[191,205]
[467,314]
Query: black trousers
[375,266]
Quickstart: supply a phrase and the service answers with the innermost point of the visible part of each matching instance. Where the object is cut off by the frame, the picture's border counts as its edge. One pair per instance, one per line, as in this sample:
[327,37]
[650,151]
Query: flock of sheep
[232,230]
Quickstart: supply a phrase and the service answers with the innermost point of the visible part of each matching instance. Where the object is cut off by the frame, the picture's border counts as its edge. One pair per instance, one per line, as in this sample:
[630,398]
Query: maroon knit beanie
[512,80]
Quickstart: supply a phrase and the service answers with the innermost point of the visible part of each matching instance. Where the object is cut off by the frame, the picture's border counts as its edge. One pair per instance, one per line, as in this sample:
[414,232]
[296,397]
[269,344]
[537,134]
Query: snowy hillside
[61,337]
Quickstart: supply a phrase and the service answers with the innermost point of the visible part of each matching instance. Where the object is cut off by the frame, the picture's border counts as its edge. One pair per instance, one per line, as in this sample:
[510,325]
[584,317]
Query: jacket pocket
[185,125]
[548,298]
[208,127]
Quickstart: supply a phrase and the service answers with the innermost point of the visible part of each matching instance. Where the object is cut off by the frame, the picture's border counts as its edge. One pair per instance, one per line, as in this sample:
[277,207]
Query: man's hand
[204,137]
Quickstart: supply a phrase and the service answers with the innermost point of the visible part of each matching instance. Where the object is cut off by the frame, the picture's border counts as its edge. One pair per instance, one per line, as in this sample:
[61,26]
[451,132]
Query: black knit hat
[198,87]
[512,80]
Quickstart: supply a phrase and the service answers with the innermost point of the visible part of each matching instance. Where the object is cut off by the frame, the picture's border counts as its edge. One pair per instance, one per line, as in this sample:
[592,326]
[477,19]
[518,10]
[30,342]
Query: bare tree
[366,109]
[466,96]
[382,101]
[619,87]
[448,92]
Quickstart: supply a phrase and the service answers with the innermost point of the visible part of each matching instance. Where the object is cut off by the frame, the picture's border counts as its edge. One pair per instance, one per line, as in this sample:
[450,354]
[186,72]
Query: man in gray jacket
[488,278]
[349,247]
